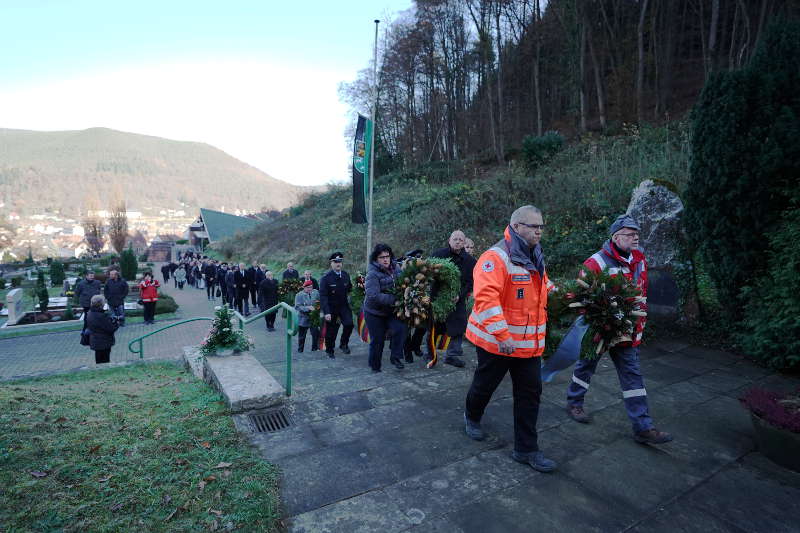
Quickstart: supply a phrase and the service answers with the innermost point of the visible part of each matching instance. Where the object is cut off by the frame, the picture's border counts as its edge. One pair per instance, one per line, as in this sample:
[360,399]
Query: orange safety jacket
[510,303]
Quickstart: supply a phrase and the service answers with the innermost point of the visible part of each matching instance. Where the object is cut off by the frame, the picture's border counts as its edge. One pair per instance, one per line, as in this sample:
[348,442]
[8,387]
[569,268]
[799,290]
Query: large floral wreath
[414,304]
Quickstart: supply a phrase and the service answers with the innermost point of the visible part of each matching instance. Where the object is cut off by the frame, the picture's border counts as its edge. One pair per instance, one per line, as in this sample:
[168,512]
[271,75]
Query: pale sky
[257,79]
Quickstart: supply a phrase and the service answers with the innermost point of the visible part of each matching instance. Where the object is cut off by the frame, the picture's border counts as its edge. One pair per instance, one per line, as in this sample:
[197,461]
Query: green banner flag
[361,158]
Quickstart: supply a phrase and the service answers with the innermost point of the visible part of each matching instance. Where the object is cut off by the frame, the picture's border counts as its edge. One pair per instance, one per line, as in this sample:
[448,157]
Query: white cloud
[284,120]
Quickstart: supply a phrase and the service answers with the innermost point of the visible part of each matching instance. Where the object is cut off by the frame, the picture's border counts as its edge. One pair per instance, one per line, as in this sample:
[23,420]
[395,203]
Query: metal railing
[289,313]
[139,340]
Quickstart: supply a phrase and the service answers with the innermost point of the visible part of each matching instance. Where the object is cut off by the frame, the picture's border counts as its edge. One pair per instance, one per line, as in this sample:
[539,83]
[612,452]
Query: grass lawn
[138,448]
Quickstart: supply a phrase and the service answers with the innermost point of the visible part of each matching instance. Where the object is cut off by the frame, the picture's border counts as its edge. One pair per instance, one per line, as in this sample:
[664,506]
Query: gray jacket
[304,303]
[379,286]
[86,289]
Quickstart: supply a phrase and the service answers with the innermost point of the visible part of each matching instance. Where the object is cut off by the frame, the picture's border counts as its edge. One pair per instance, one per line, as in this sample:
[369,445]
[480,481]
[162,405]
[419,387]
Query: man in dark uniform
[333,290]
[456,322]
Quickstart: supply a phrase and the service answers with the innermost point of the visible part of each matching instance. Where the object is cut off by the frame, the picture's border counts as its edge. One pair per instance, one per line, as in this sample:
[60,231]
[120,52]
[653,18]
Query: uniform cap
[337,256]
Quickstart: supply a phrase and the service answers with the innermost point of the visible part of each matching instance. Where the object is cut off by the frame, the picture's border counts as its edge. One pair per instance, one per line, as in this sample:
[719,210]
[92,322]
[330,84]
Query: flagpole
[372,141]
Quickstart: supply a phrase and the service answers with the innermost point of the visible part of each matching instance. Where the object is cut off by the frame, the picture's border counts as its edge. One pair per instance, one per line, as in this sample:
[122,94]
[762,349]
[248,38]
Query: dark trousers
[149,311]
[414,341]
[85,314]
[102,356]
[175,280]
[253,295]
[378,326]
[332,328]
[210,290]
[301,337]
[526,380]
[270,320]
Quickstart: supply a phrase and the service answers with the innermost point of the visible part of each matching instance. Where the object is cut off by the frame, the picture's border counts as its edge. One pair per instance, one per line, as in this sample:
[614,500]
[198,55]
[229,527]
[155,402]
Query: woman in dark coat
[378,311]
[268,297]
[102,328]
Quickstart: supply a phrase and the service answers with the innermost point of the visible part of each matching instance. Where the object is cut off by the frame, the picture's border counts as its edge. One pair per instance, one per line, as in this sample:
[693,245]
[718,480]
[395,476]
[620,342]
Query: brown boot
[577,413]
[652,436]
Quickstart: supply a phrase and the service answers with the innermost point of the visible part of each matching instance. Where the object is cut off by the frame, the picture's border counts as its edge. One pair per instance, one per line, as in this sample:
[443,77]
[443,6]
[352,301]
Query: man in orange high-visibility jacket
[507,327]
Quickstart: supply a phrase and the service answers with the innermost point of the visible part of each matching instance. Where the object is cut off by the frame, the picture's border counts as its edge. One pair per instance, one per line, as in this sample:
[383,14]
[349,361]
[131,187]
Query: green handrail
[140,351]
[290,314]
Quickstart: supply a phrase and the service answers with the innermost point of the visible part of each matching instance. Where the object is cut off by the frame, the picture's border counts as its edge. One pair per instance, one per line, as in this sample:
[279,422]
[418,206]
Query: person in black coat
[242,287]
[165,272]
[115,291]
[456,322]
[334,287]
[378,307]
[253,279]
[290,272]
[268,297]
[210,275]
[308,277]
[101,327]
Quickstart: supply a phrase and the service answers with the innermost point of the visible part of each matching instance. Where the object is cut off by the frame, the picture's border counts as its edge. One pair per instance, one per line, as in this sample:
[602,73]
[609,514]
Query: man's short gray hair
[520,213]
[97,301]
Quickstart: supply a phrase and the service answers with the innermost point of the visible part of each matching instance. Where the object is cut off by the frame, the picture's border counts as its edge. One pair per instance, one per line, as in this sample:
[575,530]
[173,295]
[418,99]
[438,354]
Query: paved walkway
[386,452]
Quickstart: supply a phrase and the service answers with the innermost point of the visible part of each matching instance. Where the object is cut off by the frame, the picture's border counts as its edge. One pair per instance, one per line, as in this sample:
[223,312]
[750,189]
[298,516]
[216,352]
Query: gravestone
[658,211]
[15,306]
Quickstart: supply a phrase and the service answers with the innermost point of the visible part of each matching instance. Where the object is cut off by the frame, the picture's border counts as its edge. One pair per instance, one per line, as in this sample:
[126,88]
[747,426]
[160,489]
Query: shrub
[745,159]
[537,151]
[2,283]
[165,304]
[69,314]
[128,265]
[16,281]
[770,331]
[143,257]
[56,273]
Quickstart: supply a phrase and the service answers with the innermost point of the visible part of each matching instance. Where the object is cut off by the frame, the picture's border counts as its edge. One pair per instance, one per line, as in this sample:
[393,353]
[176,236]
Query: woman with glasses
[378,308]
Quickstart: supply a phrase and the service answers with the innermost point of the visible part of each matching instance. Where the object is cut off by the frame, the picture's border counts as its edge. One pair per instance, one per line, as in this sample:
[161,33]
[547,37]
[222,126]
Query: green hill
[54,169]
[580,191]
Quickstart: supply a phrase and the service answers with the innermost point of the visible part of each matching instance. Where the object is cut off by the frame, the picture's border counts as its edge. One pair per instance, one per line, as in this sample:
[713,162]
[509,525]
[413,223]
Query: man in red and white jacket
[620,255]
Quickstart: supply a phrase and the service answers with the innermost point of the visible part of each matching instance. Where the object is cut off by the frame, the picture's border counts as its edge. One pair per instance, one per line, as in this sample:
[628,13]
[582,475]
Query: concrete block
[243,382]
[193,360]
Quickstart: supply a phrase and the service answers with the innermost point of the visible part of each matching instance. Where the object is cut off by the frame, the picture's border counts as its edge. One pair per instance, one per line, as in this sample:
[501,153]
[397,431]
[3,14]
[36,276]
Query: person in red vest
[148,294]
[620,255]
[507,327]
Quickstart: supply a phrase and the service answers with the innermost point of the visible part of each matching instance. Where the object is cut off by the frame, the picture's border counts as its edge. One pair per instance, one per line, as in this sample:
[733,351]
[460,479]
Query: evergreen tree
[128,264]
[56,273]
[745,162]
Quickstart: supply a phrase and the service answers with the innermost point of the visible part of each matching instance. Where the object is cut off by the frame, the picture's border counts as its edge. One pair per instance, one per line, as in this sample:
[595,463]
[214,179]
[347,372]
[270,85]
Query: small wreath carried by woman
[414,304]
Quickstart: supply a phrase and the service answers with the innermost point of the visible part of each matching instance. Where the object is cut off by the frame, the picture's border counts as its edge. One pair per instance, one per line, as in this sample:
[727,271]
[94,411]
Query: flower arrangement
[223,335]
[610,305]
[358,293]
[288,289]
[314,317]
[779,410]
[415,305]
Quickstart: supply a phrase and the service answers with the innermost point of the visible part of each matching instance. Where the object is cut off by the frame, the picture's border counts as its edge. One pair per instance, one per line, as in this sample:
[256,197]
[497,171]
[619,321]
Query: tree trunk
[501,151]
[598,79]
[712,36]
[582,76]
[640,73]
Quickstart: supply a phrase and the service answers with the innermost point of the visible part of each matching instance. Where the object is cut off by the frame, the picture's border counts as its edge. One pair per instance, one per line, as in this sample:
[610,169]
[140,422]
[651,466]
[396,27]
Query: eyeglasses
[384,256]
[634,234]
[532,226]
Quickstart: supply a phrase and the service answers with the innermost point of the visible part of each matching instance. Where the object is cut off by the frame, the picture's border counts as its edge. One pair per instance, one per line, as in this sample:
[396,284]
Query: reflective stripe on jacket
[510,303]
[633,268]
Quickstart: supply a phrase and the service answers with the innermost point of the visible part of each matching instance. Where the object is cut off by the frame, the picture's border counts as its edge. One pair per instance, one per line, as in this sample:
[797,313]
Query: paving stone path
[386,452]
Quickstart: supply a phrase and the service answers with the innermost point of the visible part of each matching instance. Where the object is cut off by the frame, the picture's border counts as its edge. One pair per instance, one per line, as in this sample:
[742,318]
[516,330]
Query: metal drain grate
[271,422]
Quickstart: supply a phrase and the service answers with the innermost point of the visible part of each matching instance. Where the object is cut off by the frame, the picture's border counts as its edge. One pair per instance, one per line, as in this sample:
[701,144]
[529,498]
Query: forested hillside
[62,170]
[472,79]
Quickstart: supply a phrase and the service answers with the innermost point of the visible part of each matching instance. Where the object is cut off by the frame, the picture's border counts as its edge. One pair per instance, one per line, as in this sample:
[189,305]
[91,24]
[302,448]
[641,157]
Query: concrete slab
[243,382]
[366,513]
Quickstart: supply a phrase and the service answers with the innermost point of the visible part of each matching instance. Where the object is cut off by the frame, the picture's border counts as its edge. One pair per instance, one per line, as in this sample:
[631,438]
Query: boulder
[658,211]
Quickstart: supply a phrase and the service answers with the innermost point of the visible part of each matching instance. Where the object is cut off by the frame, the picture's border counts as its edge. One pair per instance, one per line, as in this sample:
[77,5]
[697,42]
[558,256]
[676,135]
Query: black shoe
[345,349]
[455,361]
[398,364]
[409,358]
[418,352]
[376,370]
[299,350]
[314,349]
[535,460]
[330,354]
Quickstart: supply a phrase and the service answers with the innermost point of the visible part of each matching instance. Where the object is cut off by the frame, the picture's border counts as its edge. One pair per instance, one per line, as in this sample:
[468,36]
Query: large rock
[658,211]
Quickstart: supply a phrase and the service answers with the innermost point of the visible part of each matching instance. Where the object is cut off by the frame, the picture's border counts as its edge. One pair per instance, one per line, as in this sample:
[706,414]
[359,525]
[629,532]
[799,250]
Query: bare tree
[93,225]
[118,225]
[640,72]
